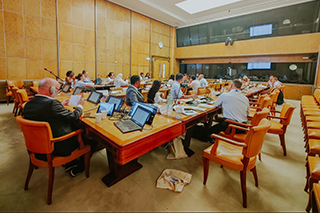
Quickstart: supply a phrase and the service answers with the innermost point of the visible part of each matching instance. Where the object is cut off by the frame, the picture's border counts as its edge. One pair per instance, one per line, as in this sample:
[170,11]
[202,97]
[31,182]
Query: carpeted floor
[281,179]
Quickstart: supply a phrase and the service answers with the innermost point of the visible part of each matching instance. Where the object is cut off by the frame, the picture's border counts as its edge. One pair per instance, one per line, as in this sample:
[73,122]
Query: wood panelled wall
[118,40]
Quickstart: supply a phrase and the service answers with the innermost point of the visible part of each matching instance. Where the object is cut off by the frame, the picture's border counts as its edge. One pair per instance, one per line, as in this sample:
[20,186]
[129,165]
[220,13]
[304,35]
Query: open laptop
[66,88]
[117,100]
[95,97]
[137,121]
[151,108]
[78,90]
[106,106]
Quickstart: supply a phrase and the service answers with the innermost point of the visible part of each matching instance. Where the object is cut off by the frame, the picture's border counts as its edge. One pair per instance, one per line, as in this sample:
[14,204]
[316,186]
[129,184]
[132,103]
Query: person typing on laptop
[133,93]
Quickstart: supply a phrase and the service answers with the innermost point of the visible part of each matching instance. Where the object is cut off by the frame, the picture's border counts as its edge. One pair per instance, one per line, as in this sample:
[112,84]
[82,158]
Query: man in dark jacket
[133,93]
[44,107]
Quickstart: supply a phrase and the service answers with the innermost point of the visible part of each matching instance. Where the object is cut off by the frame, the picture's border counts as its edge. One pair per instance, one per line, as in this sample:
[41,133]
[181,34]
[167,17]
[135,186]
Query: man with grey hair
[235,106]
[203,81]
[44,107]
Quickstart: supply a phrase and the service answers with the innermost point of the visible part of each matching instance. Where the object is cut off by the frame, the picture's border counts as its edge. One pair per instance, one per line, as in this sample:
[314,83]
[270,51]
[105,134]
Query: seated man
[276,83]
[176,88]
[44,107]
[203,81]
[133,93]
[194,84]
[235,106]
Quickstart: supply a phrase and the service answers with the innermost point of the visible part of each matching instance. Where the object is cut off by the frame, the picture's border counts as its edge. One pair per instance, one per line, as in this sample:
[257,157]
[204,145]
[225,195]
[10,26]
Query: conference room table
[122,93]
[123,150]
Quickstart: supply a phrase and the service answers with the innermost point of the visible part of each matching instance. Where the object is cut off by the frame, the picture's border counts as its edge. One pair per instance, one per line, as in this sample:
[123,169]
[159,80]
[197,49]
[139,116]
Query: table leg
[119,172]
[186,142]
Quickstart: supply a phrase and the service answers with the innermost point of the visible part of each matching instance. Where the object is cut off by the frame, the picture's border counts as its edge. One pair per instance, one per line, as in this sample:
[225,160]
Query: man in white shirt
[203,81]
[276,83]
[235,106]
[194,83]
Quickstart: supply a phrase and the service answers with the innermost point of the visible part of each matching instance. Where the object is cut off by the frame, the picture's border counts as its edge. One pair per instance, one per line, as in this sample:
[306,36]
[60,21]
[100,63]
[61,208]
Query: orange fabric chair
[192,92]
[15,99]
[38,139]
[280,128]
[237,155]
[201,91]
[10,84]
[315,197]
[313,176]
[23,99]
[266,102]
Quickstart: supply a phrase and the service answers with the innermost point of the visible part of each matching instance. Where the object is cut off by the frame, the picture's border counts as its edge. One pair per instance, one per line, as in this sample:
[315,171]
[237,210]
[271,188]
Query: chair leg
[205,169]
[259,156]
[87,163]
[50,185]
[254,172]
[307,177]
[283,145]
[244,187]
[311,182]
[31,168]
[8,99]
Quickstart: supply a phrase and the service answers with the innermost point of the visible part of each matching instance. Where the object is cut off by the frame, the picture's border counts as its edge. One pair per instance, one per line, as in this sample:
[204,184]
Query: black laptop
[78,90]
[95,97]
[66,88]
[137,121]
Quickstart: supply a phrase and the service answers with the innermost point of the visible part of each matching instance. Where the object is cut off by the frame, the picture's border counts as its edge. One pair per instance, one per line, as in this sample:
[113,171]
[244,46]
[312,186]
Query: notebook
[137,121]
[117,100]
[106,106]
[151,108]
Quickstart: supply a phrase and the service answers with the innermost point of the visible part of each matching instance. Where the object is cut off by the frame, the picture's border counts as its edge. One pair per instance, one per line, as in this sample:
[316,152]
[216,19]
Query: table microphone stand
[57,77]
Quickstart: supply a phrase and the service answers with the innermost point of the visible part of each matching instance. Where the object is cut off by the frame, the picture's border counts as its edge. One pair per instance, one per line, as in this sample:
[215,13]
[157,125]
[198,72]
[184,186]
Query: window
[261,30]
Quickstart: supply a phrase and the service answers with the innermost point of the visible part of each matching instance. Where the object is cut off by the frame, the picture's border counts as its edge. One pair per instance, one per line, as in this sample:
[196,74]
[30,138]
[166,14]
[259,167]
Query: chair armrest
[257,108]
[254,103]
[253,99]
[237,123]
[275,111]
[281,118]
[64,137]
[228,140]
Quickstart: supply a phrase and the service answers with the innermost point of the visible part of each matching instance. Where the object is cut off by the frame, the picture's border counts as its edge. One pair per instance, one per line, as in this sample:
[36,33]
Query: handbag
[176,150]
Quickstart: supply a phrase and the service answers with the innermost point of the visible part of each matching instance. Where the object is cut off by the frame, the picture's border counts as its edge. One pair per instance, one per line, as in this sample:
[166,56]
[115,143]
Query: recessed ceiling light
[196,6]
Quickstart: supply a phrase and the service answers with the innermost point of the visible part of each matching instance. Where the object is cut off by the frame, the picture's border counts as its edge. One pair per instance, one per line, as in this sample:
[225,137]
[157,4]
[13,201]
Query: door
[160,68]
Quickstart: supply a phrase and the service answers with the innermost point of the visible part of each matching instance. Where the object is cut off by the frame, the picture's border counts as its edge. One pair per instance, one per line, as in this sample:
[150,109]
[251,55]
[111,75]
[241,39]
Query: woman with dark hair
[147,77]
[79,82]
[171,80]
[110,78]
[154,96]
[70,78]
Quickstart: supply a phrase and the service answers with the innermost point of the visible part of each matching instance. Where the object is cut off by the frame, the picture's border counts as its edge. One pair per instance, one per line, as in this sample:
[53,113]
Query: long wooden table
[123,150]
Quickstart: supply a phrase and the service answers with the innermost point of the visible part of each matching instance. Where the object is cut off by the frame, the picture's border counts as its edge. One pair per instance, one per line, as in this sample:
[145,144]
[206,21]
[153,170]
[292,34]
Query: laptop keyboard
[127,125]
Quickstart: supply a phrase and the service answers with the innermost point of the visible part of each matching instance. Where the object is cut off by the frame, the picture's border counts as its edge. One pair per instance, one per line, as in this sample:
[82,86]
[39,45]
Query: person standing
[133,93]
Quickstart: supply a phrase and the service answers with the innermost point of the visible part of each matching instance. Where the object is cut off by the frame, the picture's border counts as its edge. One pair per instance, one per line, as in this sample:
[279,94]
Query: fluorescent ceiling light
[195,6]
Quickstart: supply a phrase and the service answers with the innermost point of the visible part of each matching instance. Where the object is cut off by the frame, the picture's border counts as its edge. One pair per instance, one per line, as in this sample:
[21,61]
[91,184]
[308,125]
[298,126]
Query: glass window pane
[194,35]
[183,37]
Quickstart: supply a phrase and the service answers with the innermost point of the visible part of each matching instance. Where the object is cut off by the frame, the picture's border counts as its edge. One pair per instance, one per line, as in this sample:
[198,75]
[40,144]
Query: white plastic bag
[173,179]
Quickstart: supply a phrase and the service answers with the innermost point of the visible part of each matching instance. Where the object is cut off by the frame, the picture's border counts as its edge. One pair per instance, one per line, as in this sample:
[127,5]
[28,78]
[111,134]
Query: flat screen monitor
[259,66]
[261,30]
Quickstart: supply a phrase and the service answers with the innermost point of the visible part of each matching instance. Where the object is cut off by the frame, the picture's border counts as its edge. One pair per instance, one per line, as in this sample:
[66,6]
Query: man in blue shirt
[176,88]
[235,106]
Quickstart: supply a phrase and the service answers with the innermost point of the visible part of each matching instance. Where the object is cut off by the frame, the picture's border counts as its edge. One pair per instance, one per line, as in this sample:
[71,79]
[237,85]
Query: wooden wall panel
[283,45]
[76,36]
[140,44]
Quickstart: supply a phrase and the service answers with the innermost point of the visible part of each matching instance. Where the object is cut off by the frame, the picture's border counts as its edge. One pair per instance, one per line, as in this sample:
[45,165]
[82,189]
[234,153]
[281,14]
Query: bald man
[44,107]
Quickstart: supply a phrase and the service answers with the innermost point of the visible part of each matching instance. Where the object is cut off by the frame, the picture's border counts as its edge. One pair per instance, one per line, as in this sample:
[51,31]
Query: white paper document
[74,99]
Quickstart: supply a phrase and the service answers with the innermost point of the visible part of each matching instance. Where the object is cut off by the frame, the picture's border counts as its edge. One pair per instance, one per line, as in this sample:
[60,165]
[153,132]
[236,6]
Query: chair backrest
[274,95]
[258,116]
[255,137]
[266,102]
[286,112]
[218,87]
[35,83]
[316,93]
[37,135]
[191,92]
[23,96]
[14,93]
[261,97]
[201,91]
[17,83]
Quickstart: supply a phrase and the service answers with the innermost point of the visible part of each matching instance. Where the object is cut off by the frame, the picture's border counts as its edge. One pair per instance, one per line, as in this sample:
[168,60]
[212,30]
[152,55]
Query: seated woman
[147,77]
[70,80]
[119,82]
[154,96]
[79,82]
[171,80]
[110,78]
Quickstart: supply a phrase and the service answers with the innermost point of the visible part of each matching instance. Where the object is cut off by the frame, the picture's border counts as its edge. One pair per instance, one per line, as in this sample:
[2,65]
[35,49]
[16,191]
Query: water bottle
[178,110]
[170,103]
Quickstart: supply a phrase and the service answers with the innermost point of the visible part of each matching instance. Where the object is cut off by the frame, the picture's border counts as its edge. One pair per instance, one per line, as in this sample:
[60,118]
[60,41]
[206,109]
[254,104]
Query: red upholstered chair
[38,139]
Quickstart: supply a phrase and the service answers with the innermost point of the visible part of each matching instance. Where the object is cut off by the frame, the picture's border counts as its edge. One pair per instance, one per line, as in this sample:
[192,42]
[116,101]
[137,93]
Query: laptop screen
[77,91]
[106,106]
[152,109]
[141,116]
[117,101]
[94,97]
[66,88]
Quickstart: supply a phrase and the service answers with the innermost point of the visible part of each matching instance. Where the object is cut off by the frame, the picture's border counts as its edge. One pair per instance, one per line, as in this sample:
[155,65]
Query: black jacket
[52,111]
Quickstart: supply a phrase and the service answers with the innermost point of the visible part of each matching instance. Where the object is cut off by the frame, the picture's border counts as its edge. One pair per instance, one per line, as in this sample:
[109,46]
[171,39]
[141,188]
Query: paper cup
[98,117]
[104,114]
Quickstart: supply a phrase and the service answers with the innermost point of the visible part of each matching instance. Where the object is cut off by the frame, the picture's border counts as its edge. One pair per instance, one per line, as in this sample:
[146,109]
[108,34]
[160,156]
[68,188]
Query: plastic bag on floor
[176,150]
[173,180]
